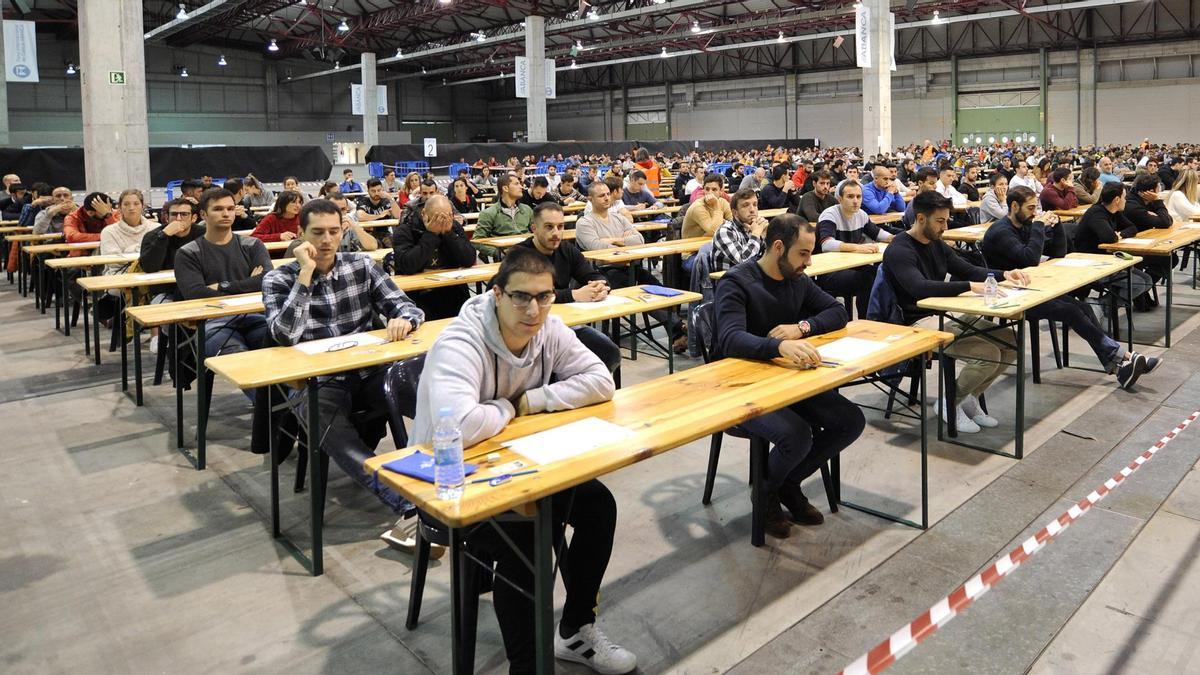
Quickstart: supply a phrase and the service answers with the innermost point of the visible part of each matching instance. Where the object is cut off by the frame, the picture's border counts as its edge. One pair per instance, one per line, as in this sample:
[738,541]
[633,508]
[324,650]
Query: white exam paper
[569,440]
[462,274]
[238,302]
[355,340]
[847,349]
[1073,262]
[165,275]
[653,250]
[1137,241]
[610,301]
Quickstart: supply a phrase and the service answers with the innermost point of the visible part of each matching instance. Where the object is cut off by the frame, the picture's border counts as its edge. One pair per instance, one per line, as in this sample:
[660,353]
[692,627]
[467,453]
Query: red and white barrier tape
[902,641]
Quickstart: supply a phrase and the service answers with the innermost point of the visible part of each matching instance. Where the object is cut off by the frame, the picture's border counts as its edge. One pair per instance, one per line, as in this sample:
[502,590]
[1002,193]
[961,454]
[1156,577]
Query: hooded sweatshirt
[471,371]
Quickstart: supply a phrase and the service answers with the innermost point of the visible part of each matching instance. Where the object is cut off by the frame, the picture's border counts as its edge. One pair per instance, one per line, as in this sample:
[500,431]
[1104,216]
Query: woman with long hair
[1184,201]
[993,206]
[283,222]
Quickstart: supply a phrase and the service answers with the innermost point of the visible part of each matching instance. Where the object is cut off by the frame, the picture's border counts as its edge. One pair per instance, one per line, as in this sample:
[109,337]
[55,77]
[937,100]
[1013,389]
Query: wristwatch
[223,286]
[805,328]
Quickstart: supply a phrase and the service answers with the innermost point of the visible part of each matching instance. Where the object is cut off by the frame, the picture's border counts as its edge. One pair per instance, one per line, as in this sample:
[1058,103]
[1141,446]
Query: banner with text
[862,36]
[521,77]
[20,52]
[356,96]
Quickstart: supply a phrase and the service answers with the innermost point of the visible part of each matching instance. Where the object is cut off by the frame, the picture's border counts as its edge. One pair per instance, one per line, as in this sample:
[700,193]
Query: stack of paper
[844,350]
[569,440]
[339,343]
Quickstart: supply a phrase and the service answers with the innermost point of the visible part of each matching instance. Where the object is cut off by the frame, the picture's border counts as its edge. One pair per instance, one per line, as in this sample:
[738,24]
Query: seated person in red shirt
[283,222]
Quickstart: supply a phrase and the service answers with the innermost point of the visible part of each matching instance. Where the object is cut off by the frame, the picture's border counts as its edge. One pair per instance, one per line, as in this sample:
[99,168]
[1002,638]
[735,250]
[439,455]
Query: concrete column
[667,107]
[4,139]
[624,115]
[1086,97]
[370,102]
[877,82]
[608,114]
[535,105]
[791,112]
[116,142]
[271,80]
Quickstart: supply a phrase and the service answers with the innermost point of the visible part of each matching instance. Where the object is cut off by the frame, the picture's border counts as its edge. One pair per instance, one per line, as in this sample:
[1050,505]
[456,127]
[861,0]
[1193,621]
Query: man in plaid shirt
[739,239]
[325,294]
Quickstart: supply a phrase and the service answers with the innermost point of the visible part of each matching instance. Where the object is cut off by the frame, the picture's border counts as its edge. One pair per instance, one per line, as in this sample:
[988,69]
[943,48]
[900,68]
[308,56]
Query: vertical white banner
[356,99]
[862,36]
[20,52]
[551,80]
[892,31]
[521,76]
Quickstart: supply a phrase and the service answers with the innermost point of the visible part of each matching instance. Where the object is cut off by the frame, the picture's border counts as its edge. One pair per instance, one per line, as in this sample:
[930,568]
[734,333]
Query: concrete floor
[122,558]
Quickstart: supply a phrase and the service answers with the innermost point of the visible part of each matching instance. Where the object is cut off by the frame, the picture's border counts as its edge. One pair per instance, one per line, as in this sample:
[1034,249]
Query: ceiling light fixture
[695,26]
[272,47]
[574,65]
[70,68]
[445,2]
[182,13]
[937,18]
[593,15]
[780,38]
[222,62]
[183,72]
[343,27]
[337,65]
[664,53]
[479,37]
[423,72]
[399,52]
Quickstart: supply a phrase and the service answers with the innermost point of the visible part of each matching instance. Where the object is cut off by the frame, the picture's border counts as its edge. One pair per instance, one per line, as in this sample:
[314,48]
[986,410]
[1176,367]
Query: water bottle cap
[991,275]
[445,411]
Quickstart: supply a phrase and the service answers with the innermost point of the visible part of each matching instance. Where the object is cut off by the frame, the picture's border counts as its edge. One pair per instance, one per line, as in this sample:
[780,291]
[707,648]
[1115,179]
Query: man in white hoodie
[503,356]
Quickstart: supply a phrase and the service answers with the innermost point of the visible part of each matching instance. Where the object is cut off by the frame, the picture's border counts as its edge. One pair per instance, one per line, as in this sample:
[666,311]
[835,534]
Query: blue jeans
[233,334]
[805,435]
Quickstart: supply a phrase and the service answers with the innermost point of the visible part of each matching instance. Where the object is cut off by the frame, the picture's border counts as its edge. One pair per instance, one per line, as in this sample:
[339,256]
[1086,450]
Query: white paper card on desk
[129,256]
[653,250]
[85,244]
[1075,262]
[1192,226]
[844,350]
[610,301]
[463,274]
[339,343]
[240,301]
[165,275]
[1138,241]
[567,441]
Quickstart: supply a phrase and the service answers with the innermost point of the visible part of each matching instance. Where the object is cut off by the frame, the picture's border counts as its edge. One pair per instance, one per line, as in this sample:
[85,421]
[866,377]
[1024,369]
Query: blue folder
[420,466]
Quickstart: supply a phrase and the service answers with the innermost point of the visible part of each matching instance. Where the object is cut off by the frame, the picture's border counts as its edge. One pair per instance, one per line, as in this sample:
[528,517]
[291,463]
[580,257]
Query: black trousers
[805,435]
[856,282]
[618,277]
[601,346]
[591,511]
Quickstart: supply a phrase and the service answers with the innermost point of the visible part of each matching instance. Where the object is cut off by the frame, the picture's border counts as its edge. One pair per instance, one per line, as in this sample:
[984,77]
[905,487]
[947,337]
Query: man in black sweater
[160,245]
[223,263]
[915,265]
[765,309]
[1018,240]
[814,202]
[1105,222]
[430,239]
[571,268]
[1147,212]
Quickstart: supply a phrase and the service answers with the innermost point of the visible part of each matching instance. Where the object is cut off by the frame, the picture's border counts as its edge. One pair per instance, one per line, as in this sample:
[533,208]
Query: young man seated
[765,308]
[507,215]
[740,238]
[571,267]
[432,240]
[1020,240]
[223,263]
[504,356]
[915,264]
[847,228]
[326,293]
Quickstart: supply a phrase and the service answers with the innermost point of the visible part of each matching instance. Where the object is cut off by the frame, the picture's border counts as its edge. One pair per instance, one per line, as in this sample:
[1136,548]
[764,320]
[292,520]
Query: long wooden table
[1052,279]
[1158,243]
[661,415]
[289,365]
[832,261]
[508,241]
[971,234]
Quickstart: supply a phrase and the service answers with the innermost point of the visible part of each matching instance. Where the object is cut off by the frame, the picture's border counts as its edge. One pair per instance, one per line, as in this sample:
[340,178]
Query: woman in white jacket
[1183,203]
[124,237]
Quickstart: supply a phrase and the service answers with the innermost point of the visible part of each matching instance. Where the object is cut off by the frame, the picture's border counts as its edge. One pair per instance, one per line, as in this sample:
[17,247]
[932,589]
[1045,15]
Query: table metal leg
[316,480]
[1128,308]
[543,591]
[459,667]
[924,454]
[96,327]
[201,398]
[176,332]
[274,464]
[120,317]
[87,331]
[1170,284]
[1019,439]
[670,340]
[20,270]
[137,363]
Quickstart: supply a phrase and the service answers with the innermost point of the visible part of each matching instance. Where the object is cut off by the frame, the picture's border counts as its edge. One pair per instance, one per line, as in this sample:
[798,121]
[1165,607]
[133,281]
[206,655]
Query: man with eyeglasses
[325,294]
[505,356]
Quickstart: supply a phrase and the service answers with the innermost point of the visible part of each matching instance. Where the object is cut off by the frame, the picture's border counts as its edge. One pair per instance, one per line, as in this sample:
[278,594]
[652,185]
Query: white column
[116,143]
[1086,100]
[877,82]
[791,89]
[4,140]
[370,102]
[535,105]
[271,82]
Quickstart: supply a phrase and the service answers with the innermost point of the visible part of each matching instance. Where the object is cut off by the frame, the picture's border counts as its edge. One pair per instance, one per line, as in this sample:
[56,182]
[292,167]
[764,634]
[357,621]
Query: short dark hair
[179,201]
[1018,195]
[996,176]
[538,213]
[822,175]
[41,188]
[786,227]
[778,172]
[714,178]
[372,182]
[929,201]
[541,181]
[637,175]
[211,194]
[191,184]
[741,196]
[925,173]
[318,206]
[92,196]
[347,171]
[848,183]
[1145,182]
[503,181]
[429,182]
[234,185]
[1111,191]
[521,259]
[1059,174]
[392,172]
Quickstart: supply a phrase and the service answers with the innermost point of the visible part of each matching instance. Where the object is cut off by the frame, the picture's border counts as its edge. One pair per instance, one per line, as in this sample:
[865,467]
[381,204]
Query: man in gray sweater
[504,356]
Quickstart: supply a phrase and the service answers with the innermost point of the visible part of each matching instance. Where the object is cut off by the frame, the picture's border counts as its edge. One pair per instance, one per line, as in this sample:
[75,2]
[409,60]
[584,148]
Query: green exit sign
[116,77]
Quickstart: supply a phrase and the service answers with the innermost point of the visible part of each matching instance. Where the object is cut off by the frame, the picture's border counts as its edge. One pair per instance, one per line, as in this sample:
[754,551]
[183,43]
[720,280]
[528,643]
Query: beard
[1022,220]
[788,272]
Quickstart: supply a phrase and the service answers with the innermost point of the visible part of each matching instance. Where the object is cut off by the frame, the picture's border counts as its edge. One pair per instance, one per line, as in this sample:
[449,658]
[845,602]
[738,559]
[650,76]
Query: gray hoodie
[470,370]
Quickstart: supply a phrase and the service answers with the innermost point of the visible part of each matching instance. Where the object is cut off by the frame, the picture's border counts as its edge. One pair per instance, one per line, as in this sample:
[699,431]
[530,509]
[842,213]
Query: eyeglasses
[180,214]
[339,346]
[521,299]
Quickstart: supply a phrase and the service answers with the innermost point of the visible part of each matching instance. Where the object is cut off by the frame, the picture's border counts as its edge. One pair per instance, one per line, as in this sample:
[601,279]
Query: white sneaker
[963,423]
[154,344]
[403,537]
[593,648]
[971,407]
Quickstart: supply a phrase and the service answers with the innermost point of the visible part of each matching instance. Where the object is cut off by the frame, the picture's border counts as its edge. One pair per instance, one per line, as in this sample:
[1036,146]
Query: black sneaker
[775,522]
[1131,370]
[802,511]
[1152,362]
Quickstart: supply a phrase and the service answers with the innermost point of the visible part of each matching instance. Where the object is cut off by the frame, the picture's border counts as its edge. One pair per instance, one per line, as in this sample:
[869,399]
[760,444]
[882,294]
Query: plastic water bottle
[990,288]
[447,456]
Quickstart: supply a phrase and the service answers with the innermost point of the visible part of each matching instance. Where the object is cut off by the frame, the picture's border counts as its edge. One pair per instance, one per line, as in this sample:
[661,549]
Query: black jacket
[1008,247]
[569,266]
[416,249]
[772,197]
[1147,216]
[1098,226]
[916,271]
